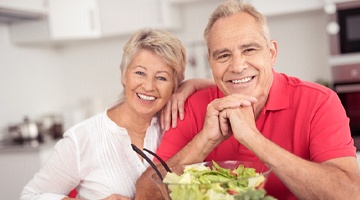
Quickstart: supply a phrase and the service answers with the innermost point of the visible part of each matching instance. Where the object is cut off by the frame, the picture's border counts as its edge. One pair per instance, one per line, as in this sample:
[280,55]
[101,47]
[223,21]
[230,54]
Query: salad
[204,183]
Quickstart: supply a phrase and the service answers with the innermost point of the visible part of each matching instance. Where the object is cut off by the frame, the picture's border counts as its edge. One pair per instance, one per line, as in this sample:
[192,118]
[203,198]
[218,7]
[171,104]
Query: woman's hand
[175,105]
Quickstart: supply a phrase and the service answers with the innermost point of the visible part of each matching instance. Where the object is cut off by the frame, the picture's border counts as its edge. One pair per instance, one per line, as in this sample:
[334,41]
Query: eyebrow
[163,72]
[140,66]
[244,46]
[220,51]
[251,44]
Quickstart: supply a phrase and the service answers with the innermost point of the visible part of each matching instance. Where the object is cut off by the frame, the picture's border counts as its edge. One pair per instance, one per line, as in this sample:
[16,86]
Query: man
[298,128]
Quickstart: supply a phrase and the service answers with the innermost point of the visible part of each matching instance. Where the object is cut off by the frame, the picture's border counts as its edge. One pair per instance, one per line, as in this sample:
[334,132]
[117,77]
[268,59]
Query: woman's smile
[146,97]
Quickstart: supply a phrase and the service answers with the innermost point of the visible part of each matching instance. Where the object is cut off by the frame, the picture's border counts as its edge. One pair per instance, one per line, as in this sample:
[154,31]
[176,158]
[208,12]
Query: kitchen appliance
[26,131]
[347,85]
[344,29]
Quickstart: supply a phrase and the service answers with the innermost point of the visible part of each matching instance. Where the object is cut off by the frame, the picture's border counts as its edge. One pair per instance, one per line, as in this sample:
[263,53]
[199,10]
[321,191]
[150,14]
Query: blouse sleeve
[58,176]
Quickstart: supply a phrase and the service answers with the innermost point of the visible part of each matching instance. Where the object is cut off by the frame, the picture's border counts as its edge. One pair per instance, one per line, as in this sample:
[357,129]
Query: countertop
[7,146]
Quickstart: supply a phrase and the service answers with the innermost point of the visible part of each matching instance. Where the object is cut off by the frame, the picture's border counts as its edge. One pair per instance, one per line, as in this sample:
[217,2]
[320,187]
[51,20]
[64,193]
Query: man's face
[239,57]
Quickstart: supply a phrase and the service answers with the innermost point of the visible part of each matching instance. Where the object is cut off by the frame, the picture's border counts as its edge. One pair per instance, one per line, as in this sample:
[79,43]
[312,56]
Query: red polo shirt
[304,118]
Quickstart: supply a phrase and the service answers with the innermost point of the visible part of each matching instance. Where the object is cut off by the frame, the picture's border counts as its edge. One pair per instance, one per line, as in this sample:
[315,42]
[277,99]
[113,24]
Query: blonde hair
[160,42]
[232,7]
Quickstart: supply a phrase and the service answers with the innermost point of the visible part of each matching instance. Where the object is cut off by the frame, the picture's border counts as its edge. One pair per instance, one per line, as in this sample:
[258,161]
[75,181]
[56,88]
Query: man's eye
[249,51]
[223,57]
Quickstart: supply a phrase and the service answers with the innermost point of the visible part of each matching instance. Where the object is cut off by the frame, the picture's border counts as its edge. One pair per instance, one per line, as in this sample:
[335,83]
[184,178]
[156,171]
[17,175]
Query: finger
[245,103]
[174,114]
[162,120]
[224,123]
[181,110]
[241,96]
[232,102]
[167,116]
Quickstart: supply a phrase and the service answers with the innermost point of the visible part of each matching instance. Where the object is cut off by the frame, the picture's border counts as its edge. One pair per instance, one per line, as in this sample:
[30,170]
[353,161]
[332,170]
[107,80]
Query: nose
[149,84]
[238,63]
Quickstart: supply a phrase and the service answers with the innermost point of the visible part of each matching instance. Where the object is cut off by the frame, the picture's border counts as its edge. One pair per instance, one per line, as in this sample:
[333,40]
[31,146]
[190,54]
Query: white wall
[92,74]
[31,80]
[302,44]
[36,80]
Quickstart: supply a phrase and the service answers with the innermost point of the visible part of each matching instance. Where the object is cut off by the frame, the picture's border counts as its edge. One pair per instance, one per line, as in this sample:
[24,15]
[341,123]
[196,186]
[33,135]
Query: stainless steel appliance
[347,85]
[344,29]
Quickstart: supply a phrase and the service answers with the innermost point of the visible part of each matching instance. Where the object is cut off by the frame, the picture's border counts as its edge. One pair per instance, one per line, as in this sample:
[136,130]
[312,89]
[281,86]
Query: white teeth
[146,98]
[244,80]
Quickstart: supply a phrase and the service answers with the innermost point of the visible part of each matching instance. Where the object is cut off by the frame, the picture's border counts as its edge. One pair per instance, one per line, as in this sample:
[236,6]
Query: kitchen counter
[19,163]
[8,146]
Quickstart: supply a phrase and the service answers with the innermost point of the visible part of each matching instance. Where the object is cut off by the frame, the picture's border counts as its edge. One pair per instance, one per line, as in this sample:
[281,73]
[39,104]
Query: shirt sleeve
[332,136]
[58,176]
[176,138]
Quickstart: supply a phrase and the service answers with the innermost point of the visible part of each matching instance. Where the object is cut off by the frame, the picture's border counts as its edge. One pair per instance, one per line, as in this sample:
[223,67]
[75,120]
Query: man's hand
[217,121]
[240,121]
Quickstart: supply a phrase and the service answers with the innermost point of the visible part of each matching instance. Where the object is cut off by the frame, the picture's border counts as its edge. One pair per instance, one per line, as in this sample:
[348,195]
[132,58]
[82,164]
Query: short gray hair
[232,7]
[160,42]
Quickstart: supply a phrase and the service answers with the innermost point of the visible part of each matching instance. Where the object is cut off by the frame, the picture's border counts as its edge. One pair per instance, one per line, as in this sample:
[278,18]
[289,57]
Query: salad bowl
[230,180]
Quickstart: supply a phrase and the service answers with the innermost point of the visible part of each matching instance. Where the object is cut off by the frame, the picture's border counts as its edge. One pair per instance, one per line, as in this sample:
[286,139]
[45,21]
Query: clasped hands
[232,114]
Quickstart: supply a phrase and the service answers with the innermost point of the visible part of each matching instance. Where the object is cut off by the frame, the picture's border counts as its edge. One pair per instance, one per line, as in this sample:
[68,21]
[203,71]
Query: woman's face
[148,82]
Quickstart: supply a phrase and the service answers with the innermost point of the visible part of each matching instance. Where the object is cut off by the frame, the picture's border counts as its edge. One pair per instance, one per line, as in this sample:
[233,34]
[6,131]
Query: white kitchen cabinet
[91,19]
[38,6]
[279,7]
[18,166]
[12,11]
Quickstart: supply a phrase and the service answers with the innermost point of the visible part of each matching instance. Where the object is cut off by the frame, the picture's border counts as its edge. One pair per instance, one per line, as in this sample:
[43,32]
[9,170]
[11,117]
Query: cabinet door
[279,7]
[17,168]
[73,19]
[119,17]
[38,6]
[83,19]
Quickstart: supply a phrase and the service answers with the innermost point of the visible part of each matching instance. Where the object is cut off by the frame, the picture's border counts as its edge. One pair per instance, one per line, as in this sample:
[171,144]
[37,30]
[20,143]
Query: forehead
[150,61]
[237,29]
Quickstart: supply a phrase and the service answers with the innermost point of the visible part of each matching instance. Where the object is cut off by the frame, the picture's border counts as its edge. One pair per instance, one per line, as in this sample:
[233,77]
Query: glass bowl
[180,186]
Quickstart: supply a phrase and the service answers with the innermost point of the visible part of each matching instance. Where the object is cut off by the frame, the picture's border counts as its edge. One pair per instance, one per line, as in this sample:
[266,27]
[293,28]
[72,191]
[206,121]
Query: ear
[123,78]
[273,51]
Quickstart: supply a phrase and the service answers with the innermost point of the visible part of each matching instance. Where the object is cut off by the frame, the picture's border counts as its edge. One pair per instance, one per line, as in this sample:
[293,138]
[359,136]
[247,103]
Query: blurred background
[60,59]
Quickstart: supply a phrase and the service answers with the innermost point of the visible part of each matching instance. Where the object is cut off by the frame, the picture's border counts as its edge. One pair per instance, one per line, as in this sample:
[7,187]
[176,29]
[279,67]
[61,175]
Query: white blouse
[96,157]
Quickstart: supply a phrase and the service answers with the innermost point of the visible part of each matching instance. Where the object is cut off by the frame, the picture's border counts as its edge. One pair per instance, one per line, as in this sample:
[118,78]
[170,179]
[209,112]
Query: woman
[95,156]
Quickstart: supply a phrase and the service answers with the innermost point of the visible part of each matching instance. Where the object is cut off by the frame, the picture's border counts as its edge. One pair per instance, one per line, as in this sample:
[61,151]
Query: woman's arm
[175,106]
[57,177]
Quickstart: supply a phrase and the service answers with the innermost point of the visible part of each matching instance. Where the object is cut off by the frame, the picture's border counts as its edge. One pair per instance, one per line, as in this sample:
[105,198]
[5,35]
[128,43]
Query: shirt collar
[279,95]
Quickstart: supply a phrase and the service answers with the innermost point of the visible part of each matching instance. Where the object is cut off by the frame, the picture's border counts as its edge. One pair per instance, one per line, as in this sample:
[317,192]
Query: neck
[133,122]
[259,106]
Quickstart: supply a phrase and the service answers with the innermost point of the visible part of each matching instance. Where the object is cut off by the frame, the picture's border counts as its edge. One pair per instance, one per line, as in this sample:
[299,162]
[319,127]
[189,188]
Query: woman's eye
[161,78]
[139,73]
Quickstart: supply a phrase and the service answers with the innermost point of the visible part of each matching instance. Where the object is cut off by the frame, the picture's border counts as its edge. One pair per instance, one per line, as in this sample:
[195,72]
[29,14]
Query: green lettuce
[200,182]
